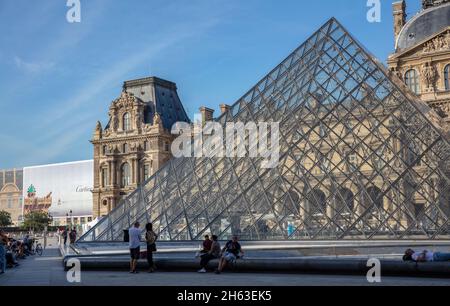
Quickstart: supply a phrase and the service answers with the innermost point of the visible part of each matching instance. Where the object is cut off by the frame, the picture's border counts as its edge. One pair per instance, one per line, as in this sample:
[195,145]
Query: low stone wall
[278,265]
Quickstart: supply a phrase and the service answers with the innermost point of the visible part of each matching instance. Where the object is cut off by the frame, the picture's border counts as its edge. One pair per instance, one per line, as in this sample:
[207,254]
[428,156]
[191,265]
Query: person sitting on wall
[231,252]
[213,253]
[425,256]
[206,247]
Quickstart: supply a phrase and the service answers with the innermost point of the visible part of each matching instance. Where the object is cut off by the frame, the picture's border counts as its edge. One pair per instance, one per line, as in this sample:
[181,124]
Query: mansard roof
[159,96]
[425,24]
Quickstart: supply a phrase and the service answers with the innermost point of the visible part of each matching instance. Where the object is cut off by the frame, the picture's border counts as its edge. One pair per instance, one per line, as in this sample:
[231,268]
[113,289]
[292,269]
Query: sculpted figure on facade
[428,75]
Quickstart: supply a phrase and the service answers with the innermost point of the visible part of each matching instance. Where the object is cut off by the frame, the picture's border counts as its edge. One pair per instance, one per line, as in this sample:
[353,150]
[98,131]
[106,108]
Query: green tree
[36,220]
[5,218]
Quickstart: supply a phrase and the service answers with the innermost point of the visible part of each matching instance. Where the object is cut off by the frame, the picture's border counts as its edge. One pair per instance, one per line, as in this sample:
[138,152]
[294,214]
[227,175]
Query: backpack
[150,237]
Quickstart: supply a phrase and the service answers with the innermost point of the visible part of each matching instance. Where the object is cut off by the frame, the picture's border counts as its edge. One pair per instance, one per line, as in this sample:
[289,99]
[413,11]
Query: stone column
[135,170]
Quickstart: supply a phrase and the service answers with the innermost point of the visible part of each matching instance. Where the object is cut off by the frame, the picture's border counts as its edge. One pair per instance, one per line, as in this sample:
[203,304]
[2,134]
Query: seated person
[207,243]
[212,254]
[231,252]
[425,256]
[10,260]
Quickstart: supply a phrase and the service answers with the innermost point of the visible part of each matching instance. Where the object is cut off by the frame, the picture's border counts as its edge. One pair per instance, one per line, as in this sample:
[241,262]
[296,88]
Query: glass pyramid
[360,158]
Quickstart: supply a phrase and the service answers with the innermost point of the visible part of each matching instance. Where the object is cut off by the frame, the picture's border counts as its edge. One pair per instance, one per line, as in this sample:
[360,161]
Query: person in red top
[207,243]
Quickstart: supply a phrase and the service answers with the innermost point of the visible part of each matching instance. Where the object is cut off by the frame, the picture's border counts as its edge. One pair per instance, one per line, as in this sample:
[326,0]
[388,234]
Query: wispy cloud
[67,123]
[32,67]
[117,72]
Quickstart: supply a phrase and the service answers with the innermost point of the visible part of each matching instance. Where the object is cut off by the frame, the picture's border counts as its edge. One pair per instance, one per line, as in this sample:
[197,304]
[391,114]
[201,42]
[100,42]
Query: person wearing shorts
[231,252]
[135,246]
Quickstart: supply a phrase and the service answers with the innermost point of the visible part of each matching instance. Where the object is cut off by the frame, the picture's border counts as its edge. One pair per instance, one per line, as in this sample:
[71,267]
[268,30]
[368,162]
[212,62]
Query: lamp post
[69,214]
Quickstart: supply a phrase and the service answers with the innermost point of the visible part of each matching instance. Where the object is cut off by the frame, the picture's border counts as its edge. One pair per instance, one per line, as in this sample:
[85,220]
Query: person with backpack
[150,238]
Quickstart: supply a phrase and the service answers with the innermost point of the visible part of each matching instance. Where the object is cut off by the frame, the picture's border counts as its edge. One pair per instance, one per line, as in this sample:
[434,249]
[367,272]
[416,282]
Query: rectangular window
[10,203]
[146,172]
[104,177]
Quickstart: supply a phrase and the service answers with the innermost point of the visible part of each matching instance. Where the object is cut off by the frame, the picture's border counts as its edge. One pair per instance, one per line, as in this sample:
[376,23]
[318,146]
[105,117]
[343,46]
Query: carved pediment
[438,43]
[125,101]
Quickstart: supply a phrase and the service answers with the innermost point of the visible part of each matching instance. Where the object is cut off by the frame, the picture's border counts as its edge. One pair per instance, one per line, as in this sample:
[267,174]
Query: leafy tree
[36,220]
[5,218]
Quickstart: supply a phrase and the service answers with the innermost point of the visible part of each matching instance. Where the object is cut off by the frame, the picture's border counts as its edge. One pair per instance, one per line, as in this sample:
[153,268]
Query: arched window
[446,77]
[345,202]
[317,201]
[127,122]
[412,80]
[125,175]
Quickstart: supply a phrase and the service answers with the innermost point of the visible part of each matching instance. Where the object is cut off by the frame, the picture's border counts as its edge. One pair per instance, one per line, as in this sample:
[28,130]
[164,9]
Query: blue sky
[57,79]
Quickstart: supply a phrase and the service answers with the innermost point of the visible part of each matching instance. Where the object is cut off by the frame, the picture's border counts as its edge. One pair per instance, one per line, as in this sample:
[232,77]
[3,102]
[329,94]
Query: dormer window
[127,122]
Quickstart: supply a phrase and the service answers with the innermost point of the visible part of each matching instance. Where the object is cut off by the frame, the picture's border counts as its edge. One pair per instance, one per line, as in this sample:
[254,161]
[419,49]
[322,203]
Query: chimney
[224,108]
[207,114]
[399,12]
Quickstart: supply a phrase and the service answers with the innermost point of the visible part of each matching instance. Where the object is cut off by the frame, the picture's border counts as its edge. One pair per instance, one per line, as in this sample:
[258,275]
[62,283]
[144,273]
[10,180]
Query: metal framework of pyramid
[360,158]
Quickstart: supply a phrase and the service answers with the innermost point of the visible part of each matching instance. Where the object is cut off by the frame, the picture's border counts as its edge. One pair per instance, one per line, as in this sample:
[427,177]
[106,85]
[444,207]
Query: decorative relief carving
[439,43]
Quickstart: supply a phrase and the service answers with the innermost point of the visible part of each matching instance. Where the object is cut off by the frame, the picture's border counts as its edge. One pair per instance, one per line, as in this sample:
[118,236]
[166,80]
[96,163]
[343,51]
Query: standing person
[73,236]
[135,246]
[64,234]
[3,244]
[231,252]
[213,253]
[150,238]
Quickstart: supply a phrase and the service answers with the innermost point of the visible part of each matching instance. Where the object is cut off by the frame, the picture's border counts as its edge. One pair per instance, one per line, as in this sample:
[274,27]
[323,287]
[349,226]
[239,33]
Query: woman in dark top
[151,238]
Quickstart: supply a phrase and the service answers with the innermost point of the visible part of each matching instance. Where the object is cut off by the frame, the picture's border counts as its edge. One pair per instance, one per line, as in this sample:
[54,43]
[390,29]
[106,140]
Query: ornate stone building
[422,52]
[136,141]
[11,193]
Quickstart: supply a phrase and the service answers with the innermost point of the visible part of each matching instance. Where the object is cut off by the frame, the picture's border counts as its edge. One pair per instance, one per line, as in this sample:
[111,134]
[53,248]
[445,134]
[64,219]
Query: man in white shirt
[135,246]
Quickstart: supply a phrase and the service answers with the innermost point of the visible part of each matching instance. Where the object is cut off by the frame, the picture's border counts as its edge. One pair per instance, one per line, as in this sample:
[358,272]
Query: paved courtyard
[48,271]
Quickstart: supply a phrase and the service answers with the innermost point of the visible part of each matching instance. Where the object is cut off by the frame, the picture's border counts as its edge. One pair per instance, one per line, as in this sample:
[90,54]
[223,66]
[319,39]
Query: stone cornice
[149,81]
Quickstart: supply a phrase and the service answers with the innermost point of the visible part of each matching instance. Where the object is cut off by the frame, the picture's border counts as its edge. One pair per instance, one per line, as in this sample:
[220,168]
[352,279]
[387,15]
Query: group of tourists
[12,250]
[71,234]
[211,250]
